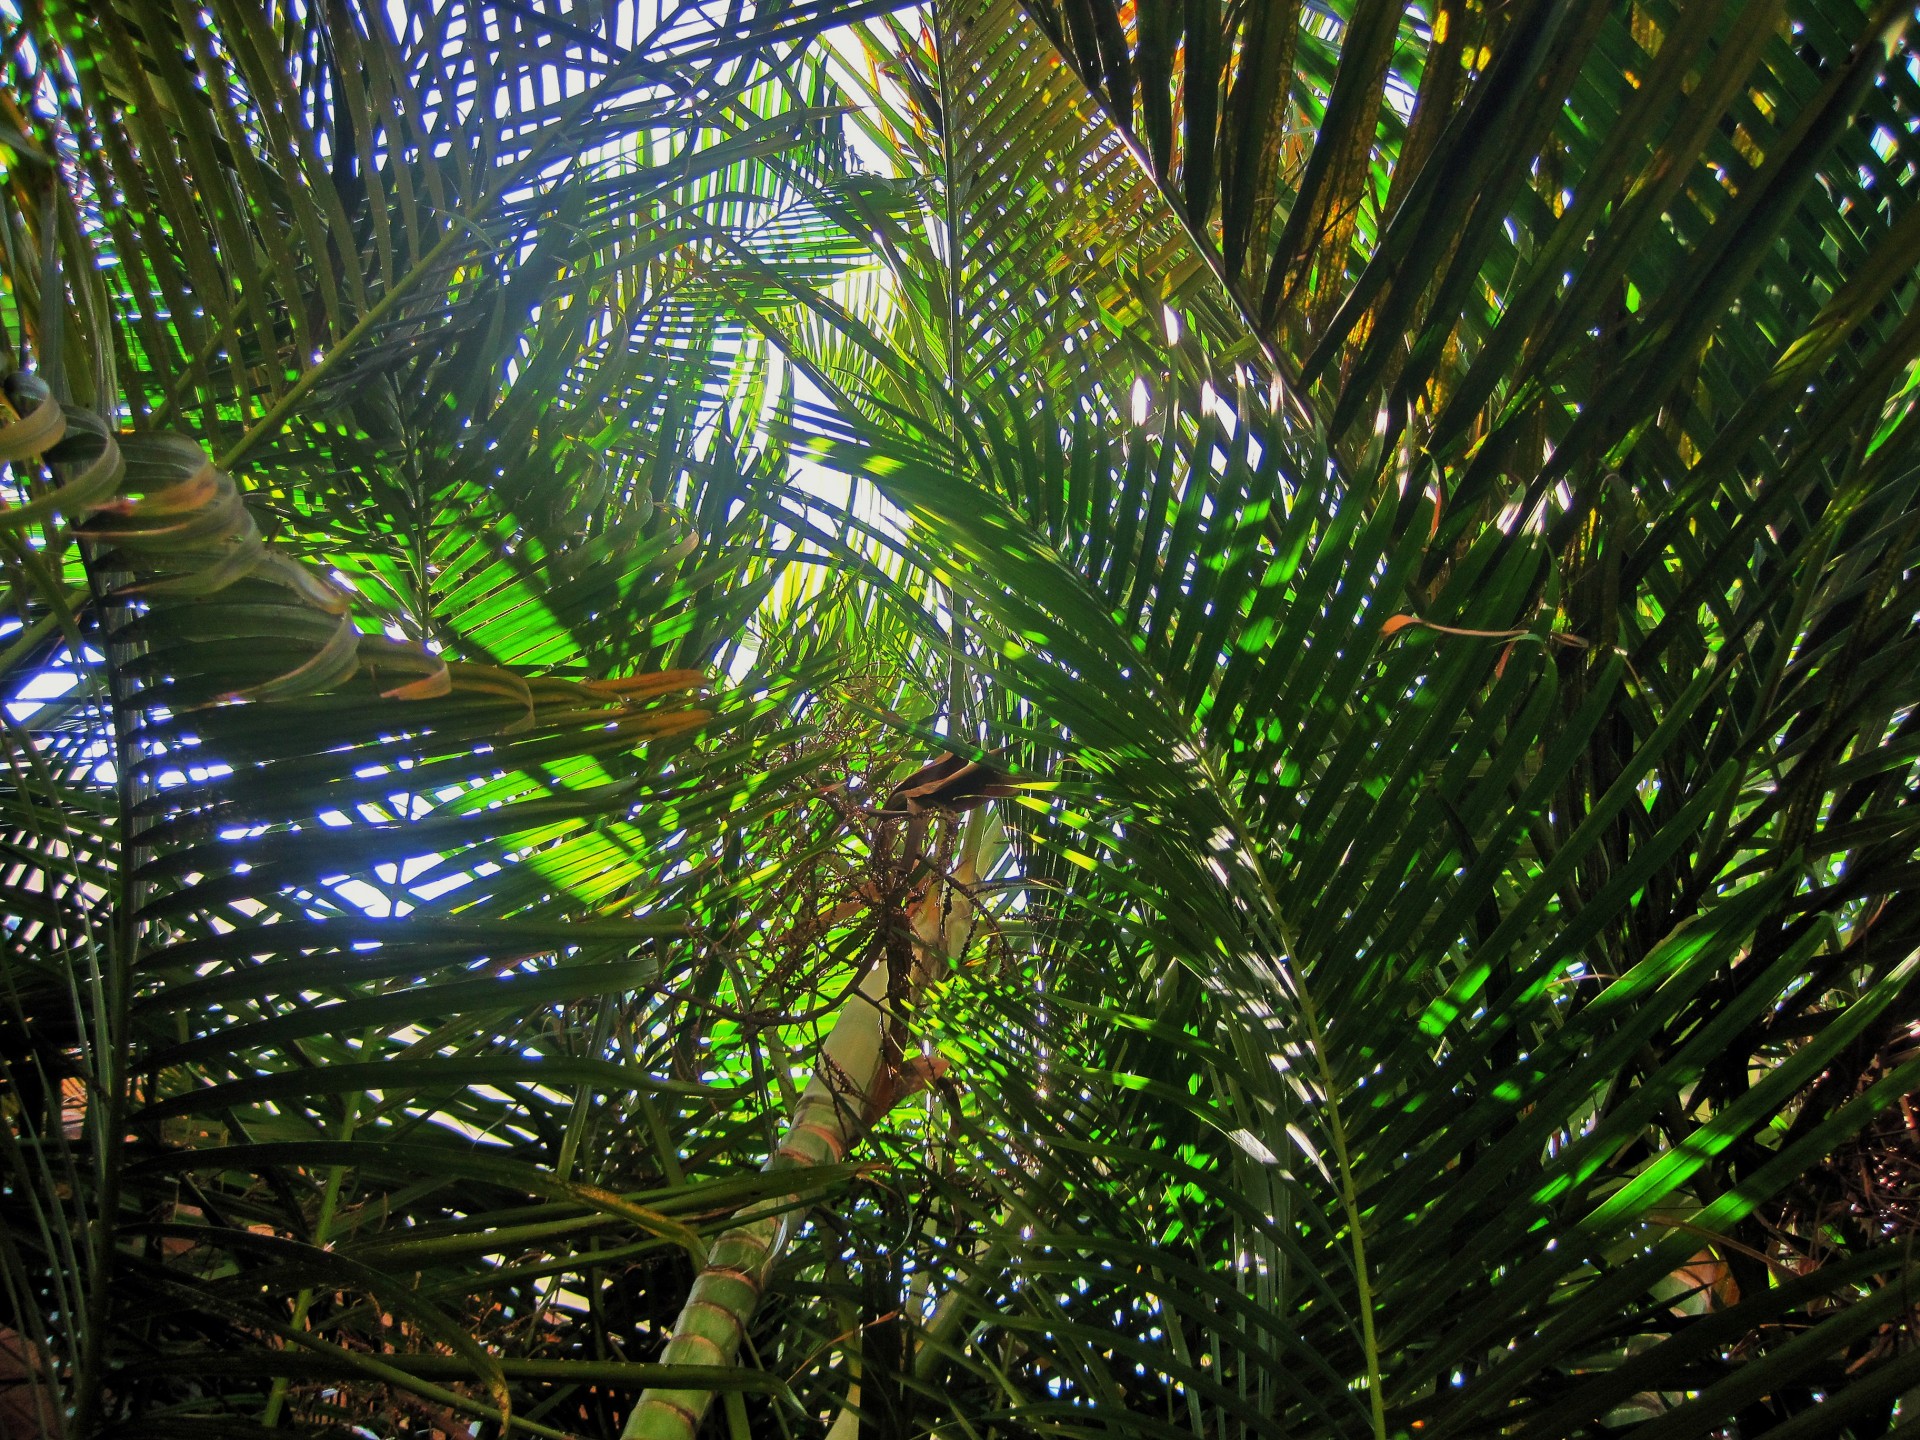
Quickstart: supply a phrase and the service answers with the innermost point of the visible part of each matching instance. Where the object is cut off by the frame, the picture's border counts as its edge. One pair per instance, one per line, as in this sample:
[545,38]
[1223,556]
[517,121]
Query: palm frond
[363,869]
[1427,940]
[1412,509]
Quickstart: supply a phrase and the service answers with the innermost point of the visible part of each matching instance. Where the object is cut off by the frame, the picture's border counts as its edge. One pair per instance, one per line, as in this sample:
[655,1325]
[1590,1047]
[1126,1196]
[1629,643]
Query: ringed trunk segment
[852,1086]
[832,1111]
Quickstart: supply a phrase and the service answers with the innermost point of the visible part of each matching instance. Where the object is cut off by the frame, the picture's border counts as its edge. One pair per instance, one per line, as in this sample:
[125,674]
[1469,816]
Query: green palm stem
[322,1236]
[955,930]
[852,1086]
[947,1324]
[942,1328]
[828,1119]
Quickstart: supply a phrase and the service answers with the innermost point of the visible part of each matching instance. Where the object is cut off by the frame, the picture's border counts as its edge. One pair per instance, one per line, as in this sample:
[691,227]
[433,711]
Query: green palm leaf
[1409,511]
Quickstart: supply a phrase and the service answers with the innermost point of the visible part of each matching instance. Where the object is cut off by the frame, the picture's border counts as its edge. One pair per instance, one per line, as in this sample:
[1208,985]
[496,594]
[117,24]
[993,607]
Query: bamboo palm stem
[322,1236]
[852,1086]
[837,1105]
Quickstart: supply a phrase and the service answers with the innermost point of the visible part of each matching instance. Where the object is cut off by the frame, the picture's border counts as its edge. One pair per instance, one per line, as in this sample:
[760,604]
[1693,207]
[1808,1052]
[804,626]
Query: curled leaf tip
[1394,624]
[427,687]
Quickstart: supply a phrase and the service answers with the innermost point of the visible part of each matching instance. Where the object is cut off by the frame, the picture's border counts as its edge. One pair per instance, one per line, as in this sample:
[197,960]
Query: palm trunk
[852,1086]
[827,1120]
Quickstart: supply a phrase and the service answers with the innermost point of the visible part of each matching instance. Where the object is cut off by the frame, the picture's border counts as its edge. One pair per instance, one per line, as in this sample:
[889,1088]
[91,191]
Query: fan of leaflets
[375,553]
